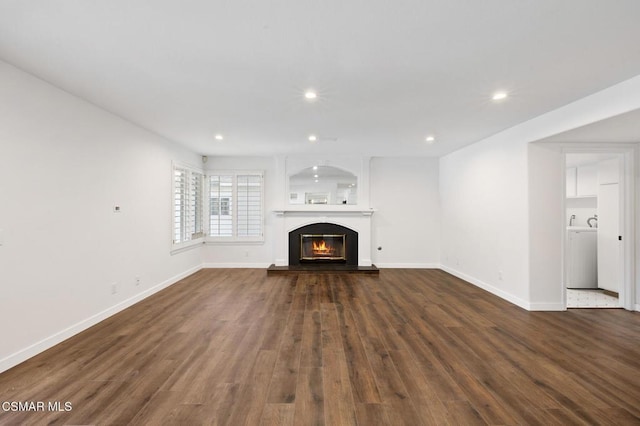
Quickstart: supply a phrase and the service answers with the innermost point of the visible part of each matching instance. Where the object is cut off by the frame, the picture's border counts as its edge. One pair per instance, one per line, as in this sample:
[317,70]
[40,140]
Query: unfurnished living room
[319,212]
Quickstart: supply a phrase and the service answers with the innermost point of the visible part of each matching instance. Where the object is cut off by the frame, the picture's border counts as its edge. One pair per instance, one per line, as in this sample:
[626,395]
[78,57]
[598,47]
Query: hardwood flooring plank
[339,407]
[285,374]
[309,405]
[420,390]
[311,355]
[372,415]
[362,379]
[463,413]
[278,415]
[331,337]
[249,404]
[158,411]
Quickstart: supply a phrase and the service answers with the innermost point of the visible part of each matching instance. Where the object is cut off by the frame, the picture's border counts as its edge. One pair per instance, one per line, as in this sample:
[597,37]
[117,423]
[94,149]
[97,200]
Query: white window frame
[197,238]
[234,238]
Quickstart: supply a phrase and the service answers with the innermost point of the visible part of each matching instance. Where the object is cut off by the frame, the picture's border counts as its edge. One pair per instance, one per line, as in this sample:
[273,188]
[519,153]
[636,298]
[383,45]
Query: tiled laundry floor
[579,298]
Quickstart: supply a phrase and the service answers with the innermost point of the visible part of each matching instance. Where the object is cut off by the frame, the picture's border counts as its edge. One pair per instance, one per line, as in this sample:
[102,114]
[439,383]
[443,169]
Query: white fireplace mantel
[331,210]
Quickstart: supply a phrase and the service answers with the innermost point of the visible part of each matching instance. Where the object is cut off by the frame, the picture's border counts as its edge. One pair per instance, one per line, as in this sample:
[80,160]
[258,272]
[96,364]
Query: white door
[609,277]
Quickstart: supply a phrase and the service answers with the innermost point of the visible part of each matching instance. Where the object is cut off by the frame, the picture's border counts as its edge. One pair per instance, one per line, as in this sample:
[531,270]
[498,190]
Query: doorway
[595,208]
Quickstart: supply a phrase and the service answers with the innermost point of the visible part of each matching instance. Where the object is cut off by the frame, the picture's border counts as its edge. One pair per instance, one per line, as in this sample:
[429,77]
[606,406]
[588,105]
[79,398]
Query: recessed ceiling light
[316,180]
[315,176]
[219,137]
[498,96]
[310,95]
[313,138]
[430,139]
[315,167]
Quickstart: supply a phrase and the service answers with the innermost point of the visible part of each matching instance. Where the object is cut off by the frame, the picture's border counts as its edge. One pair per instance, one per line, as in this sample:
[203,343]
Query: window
[221,211]
[235,206]
[188,214]
[221,206]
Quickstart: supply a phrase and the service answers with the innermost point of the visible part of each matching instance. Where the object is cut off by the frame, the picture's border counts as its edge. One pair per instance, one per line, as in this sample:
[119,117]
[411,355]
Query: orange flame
[322,248]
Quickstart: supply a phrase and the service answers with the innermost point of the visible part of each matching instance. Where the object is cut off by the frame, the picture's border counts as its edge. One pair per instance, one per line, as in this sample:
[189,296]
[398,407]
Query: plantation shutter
[187,204]
[179,204]
[221,205]
[249,190]
[196,227]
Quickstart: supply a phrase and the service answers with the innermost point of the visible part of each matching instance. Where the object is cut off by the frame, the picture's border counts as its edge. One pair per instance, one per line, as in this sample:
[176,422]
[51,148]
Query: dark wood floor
[405,347]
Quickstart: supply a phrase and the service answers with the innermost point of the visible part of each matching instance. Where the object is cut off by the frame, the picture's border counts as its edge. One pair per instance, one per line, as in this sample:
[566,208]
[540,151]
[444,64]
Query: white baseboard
[408,265]
[491,289]
[41,346]
[547,307]
[236,265]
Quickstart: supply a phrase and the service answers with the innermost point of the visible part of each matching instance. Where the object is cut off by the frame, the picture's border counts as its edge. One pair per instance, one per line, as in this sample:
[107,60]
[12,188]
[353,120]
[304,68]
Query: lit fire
[321,248]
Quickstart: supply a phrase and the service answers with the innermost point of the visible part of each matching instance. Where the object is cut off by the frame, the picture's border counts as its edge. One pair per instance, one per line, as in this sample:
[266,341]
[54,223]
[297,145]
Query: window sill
[234,240]
[182,247]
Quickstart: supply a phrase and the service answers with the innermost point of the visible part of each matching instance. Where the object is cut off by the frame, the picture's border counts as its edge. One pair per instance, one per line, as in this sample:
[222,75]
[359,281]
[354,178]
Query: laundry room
[593,223]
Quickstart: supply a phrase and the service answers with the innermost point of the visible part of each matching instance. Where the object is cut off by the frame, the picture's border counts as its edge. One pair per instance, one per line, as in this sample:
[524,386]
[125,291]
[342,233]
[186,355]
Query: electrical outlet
[137,281]
[114,288]
[500,275]
[246,254]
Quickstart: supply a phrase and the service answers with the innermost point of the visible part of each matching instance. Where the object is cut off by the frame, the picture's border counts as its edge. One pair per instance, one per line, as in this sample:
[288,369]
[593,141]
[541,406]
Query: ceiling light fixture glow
[313,138]
[315,167]
[310,95]
[498,96]
[219,137]
[430,139]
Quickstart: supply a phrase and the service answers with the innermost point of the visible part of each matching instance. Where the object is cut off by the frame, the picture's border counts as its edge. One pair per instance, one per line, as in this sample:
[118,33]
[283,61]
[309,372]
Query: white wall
[64,164]
[484,217]
[546,227]
[582,208]
[257,255]
[406,224]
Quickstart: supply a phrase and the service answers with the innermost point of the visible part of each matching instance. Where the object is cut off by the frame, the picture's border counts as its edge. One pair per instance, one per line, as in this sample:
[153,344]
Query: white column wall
[406,225]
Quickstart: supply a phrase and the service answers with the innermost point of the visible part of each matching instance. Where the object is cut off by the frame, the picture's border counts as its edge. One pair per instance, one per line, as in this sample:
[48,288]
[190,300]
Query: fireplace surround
[321,243]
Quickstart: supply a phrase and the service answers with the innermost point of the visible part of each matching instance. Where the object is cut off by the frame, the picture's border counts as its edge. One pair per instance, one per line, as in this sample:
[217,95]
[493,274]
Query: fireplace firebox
[322,247]
[322,243]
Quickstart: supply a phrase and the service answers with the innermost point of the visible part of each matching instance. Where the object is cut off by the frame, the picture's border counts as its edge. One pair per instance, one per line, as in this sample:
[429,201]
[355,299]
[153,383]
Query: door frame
[628,154]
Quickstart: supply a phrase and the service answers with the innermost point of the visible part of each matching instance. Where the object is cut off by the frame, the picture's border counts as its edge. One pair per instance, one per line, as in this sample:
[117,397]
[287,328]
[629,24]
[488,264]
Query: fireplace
[322,247]
[322,243]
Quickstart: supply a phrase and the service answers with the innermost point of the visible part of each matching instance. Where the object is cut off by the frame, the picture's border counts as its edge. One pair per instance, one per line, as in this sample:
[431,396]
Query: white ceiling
[388,73]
